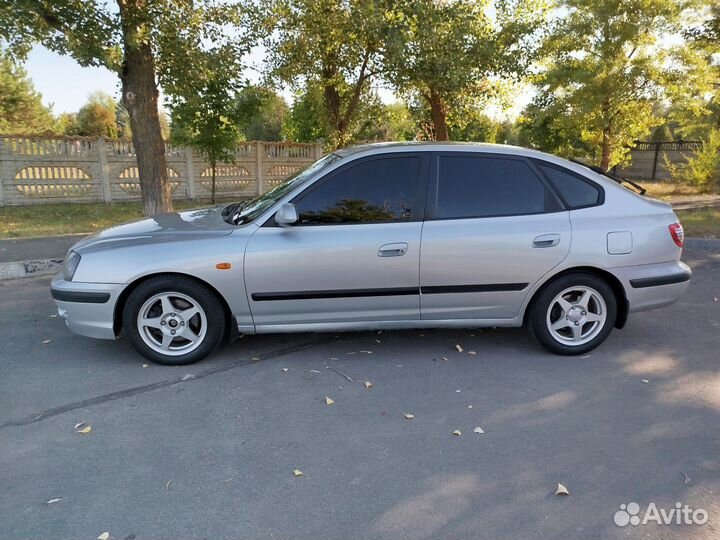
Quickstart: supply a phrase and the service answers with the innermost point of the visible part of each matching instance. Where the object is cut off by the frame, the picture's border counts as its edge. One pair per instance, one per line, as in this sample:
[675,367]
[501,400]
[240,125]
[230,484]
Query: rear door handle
[546,240]
[393,250]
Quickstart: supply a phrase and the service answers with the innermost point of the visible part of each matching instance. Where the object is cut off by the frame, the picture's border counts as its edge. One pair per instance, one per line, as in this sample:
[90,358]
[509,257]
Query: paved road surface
[208,451]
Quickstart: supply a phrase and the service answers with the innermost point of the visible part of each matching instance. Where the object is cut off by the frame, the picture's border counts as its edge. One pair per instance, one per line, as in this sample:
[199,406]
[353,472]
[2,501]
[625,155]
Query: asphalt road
[208,451]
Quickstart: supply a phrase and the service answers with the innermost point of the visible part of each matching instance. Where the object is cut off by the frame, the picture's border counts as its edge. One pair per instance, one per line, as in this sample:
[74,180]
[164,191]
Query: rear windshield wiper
[612,176]
[232,211]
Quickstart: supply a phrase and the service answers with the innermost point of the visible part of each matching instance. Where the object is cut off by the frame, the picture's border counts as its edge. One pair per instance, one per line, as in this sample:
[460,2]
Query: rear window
[476,187]
[574,190]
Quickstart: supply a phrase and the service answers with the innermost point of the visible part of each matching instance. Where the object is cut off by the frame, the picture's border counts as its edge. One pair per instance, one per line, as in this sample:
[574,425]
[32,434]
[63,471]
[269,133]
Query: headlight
[71,264]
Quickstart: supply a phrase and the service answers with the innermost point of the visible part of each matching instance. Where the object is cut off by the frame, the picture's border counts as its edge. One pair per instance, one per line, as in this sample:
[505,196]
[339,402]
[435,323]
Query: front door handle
[546,240]
[393,250]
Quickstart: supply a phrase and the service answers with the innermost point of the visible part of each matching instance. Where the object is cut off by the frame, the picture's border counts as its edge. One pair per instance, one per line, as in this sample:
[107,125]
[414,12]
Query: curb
[31,268]
[44,267]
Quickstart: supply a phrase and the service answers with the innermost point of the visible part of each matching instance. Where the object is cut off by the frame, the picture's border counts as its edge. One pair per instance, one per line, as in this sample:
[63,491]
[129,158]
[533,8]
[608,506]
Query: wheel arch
[623,307]
[230,326]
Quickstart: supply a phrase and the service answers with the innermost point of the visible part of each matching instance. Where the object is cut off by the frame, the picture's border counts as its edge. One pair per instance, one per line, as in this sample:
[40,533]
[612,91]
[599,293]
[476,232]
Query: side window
[378,190]
[576,192]
[473,186]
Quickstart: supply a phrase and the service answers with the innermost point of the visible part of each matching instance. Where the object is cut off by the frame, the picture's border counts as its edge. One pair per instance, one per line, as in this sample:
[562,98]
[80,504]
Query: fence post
[655,160]
[190,172]
[104,169]
[318,151]
[3,168]
[259,165]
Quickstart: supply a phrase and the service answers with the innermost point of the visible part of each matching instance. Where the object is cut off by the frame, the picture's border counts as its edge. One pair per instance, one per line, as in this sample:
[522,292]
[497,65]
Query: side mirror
[287,215]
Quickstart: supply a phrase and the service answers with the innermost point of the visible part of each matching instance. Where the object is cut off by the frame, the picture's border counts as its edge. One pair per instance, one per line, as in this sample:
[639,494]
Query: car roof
[453,146]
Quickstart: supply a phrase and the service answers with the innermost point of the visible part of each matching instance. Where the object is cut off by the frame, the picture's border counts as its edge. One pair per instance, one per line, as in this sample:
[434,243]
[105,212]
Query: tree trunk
[212,189]
[605,145]
[331,96]
[140,97]
[438,109]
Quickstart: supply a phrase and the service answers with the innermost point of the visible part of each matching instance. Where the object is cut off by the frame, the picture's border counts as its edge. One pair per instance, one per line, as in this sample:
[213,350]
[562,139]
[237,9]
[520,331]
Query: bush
[702,169]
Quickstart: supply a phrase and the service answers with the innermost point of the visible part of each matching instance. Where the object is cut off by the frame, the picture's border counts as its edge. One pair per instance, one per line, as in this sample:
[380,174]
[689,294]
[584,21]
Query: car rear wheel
[574,314]
[173,320]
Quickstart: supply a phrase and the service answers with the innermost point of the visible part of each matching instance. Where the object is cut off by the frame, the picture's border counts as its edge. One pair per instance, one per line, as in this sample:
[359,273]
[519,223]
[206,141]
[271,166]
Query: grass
[665,190]
[66,218]
[700,223]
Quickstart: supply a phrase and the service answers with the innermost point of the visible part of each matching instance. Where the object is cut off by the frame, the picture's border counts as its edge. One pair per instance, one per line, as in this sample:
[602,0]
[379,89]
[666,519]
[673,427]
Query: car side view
[385,236]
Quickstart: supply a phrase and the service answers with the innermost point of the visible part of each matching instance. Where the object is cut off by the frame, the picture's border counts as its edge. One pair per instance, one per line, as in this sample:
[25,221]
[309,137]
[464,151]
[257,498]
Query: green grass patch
[700,223]
[67,218]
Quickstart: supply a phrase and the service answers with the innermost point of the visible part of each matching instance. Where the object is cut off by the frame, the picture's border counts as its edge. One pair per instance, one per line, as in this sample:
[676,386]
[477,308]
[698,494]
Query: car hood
[170,227]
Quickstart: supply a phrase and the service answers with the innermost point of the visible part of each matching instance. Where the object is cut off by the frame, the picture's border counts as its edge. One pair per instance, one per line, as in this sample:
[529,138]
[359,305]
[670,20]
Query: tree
[207,111]
[606,71]
[21,107]
[449,55]
[98,117]
[143,41]
[265,111]
[330,46]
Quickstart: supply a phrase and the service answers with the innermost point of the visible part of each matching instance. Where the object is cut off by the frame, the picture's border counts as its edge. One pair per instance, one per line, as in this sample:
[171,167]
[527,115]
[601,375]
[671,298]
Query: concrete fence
[648,158]
[36,170]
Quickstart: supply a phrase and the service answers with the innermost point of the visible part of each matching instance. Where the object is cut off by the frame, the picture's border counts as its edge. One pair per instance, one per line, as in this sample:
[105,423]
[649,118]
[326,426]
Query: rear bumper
[87,308]
[650,286]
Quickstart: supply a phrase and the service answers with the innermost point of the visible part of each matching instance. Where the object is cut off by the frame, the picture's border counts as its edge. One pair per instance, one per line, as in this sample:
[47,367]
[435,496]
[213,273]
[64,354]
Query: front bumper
[88,309]
[651,286]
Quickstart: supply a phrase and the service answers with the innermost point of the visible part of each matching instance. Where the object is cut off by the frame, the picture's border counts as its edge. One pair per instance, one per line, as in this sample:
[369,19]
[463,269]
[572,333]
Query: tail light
[677,233]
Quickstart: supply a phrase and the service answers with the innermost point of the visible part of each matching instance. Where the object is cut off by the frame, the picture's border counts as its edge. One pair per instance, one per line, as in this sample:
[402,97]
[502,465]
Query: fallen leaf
[457,432]
[45,342]
[408,416]
[329,401]
[645,381]
[478,430]
[51,501]
[187,377]
[378,341]
[715,298]
[86,429]
[561,490]
[297,472]
[167,486]
[104,536]
[366,352]
[445,358]
[284,370]
[459,348]
[255,358]
[458,391]
[78,425]
[368,384]
[53,316]
[469,406]
[686,478]
[145,365]
[472,352]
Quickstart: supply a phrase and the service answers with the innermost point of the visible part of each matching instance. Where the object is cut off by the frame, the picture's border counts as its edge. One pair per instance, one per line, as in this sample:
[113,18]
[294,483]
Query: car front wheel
[173,320]
[574,314]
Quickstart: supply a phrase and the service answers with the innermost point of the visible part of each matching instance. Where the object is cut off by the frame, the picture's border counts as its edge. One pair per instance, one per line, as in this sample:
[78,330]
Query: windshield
[239,213]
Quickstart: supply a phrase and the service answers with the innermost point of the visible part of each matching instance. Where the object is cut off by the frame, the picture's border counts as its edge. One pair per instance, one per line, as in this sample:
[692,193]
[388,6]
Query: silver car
[385,236]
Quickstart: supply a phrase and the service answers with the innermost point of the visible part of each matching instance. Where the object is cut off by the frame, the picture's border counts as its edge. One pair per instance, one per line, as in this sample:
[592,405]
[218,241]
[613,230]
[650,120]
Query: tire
[174,321]
[573,314]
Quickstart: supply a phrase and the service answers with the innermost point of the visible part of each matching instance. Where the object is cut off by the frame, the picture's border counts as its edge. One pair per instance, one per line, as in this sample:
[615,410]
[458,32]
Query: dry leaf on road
[368,384]
[459,348]
[472,352]
[45,342]
[561,490]
[78,425]
[478,429]
[457,432]
[645,381]
[329,401]
[104,536]
[284,370]
[408,416]
[86,429]
[297,472]
[51,501]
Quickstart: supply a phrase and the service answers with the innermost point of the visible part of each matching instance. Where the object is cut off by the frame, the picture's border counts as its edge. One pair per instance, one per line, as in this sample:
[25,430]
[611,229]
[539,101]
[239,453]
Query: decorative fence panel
[37,170]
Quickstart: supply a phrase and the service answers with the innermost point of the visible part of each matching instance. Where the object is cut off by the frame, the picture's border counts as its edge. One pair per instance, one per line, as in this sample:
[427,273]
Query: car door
[493,229]
[354,255]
